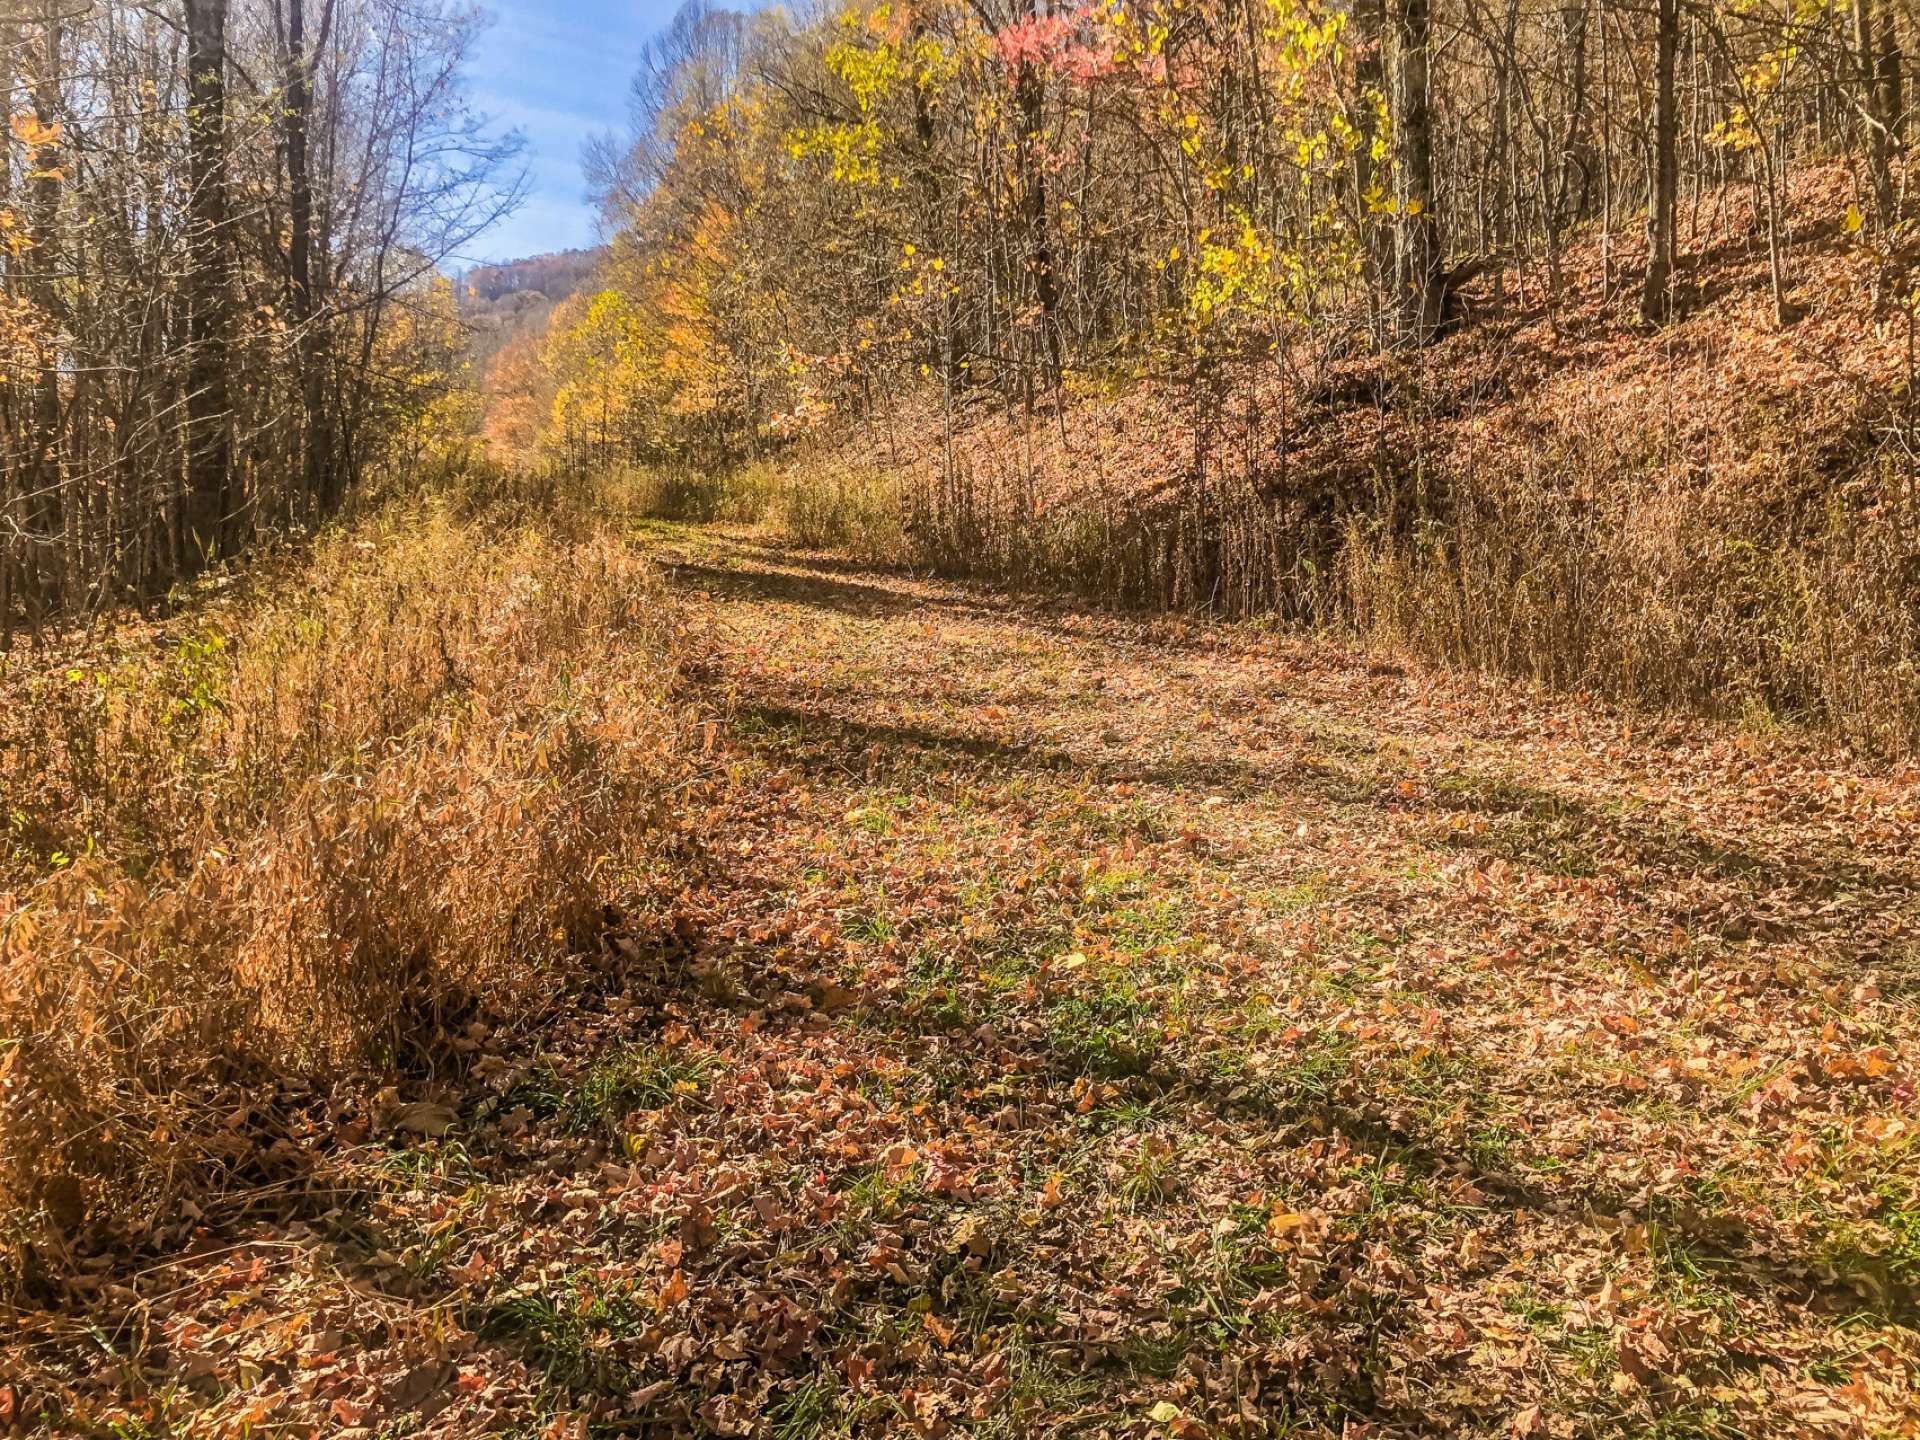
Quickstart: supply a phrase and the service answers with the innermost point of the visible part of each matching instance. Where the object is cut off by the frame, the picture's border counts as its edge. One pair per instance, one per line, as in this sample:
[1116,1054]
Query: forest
[1148,718]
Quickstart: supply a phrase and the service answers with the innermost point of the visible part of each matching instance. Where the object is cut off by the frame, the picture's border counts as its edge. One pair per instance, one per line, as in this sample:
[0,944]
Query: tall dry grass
[1784,599]
[826,501]
[305,822]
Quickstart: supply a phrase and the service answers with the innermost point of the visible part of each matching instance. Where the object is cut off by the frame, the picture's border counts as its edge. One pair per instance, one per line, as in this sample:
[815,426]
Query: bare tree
[208,507]
[1422,287]
[1663,186]
[223,223]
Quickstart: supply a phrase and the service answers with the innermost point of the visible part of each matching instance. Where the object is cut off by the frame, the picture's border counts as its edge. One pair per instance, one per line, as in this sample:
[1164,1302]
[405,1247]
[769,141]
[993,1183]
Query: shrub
[728,495]
[813,498]
[848,507]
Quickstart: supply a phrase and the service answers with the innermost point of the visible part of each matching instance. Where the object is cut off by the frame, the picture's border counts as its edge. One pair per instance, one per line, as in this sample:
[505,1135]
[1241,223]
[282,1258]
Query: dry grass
[848,506]
[306,824]
[680,492]
[1703,599]
[1783,603]
[828,502]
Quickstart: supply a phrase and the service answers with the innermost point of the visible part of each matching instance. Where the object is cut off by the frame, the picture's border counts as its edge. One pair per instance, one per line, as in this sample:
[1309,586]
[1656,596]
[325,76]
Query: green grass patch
[613,1086]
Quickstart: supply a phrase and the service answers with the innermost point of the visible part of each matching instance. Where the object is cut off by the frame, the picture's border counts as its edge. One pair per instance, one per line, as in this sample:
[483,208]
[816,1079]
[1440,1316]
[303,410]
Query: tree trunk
[299,111]
[1030,100]
[208,511]
[9,38]
[301,288]
[1892,104]
[40,512]
[1656,294]
[1876,121]
[1422,296]
[1572,205]
[1370,79]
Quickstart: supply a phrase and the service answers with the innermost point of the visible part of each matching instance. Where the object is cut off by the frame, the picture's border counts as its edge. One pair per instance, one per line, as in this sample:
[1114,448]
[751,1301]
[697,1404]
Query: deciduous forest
[1156,718]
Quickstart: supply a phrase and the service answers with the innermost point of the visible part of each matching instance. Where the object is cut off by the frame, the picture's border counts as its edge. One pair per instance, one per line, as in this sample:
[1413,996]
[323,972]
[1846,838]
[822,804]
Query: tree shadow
[843,596]
[1529,826]
[821,742]
[1775,895]
[813,581]
[1549,830]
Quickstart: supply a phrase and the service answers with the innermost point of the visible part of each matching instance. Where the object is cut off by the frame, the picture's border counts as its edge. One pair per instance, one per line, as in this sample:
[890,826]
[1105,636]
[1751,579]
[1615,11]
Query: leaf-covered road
[1095,1026]
[1185,1028]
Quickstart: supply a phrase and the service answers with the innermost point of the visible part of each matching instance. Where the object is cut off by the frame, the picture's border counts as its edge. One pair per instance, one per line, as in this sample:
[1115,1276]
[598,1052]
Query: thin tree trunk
[1422,292]
[1656,294]
[1370,78]
[209,500]
[40,512]
[1878,121]
[1892,103]
[9,38]
[1606,158]
[300,265]
[1030,100]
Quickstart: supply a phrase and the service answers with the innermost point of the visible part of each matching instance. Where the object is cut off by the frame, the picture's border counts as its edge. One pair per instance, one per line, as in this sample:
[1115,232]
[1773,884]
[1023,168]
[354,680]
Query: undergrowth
[829,504]
[307,822]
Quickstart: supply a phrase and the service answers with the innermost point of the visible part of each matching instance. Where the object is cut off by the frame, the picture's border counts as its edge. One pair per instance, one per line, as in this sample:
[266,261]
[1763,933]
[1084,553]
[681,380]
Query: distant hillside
[555,276]
[514,298]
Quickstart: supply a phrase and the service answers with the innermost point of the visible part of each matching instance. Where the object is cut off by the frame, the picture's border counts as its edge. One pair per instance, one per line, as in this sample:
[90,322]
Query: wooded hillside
[556,276]
[1005,198]
[1571,339]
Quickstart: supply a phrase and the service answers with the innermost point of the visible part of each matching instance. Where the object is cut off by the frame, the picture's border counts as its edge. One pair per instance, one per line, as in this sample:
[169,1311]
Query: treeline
[996,197]
[555,276]
[220,226]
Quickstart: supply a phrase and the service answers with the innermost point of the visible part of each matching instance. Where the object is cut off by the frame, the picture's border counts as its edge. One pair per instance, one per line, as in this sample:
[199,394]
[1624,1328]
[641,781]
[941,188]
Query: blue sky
[557,70]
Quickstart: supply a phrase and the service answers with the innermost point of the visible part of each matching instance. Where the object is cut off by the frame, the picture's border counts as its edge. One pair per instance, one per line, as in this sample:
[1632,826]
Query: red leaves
[858,1369]
[673,1293]
[1073,43]
[696,1227]
[1646,1355]
[1841,1068]
[346,1413]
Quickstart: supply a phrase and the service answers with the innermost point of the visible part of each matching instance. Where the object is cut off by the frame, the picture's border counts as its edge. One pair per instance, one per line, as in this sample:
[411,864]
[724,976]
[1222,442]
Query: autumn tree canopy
[814,209]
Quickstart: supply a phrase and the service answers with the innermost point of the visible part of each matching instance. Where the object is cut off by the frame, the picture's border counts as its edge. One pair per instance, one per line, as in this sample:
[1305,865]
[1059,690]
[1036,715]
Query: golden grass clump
[305,822]
[818,500]
[854,508]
